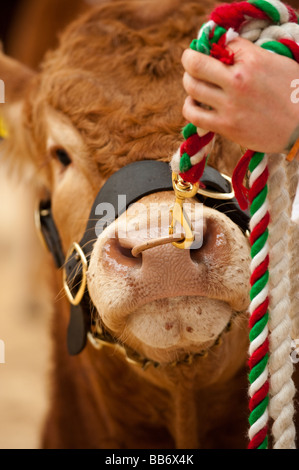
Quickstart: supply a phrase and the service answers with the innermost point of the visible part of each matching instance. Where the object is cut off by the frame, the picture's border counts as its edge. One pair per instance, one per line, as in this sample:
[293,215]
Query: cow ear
[15,80]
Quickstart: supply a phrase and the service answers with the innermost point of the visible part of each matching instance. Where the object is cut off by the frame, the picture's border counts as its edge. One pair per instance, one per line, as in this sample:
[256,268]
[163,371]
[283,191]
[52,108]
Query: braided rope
[294,279]
[292,171]
[282,388]
[273,26]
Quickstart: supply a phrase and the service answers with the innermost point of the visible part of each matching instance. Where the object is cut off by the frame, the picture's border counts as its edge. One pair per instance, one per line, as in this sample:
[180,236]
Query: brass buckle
[81,256]
[215,195]
[38,213]
[182,190]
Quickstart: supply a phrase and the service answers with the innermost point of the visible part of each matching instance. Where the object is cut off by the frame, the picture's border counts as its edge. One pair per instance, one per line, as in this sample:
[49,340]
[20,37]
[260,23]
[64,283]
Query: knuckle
[239,81]
[190,113]
[186,81]
[192,62]
[234,123]
[189,84]
[241,78]
[244,75]
[253,59]
[186,109]
[196,63]
[230,121]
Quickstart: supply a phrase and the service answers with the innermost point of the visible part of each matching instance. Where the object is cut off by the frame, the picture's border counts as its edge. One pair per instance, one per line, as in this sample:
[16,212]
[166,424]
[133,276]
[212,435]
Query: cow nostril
[119,251]
[127,252]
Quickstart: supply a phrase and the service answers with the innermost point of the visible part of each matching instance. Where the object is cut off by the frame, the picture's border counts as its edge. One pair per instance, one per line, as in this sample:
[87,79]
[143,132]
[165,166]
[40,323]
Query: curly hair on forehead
[117,76]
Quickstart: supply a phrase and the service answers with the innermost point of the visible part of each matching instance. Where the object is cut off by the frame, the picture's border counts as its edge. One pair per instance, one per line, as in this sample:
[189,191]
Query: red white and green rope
[259,296]
[273,26]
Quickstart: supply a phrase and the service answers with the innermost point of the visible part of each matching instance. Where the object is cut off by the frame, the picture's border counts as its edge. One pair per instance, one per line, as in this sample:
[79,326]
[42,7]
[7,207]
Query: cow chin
[167,329]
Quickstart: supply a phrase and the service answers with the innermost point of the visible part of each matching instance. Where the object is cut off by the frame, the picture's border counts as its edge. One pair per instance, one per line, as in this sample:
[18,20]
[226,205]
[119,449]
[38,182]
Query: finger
[206,68]
[203,92]
[200,117]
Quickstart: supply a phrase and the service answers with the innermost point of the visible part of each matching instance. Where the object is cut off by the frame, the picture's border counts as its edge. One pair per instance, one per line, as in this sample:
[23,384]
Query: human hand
[250,100]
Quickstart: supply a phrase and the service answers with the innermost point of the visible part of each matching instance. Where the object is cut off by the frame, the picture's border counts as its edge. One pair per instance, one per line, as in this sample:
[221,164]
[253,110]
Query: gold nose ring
[156,242]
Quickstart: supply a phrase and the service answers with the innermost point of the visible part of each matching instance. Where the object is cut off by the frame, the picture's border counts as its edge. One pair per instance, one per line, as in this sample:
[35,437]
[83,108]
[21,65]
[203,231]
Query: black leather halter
[133,181]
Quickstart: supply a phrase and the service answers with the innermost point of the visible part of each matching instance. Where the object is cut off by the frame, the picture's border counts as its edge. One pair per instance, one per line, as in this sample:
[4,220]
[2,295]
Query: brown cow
[110,95]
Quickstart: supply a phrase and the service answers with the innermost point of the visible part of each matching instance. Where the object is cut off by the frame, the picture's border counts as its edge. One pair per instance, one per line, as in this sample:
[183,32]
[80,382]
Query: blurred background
[28,28]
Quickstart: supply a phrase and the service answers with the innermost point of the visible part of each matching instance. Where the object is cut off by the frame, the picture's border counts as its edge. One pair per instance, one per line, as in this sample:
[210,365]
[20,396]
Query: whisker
[93,312]
[87,255]
[62,291]
[230,211]
[72,272]
[61,295]
[220,204]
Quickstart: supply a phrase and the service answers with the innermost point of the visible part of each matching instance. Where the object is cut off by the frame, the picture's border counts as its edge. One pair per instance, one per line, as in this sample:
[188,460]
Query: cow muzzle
[124,188]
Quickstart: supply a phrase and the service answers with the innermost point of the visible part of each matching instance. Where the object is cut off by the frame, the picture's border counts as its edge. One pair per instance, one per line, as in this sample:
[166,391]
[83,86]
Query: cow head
[112,94]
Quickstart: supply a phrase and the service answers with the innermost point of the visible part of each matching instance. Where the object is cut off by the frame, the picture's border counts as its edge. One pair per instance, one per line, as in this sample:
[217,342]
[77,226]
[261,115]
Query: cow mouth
[179,329]
[175,358]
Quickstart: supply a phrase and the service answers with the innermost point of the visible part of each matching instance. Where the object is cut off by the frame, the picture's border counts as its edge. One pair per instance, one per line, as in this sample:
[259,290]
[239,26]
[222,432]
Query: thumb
[241,47]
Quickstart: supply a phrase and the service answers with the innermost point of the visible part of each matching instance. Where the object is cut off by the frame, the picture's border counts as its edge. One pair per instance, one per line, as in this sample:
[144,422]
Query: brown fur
[115,81]
[80,88]
[38,23]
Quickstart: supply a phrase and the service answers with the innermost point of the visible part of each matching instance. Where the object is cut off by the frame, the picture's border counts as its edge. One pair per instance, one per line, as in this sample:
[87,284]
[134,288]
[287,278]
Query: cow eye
[62,155]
